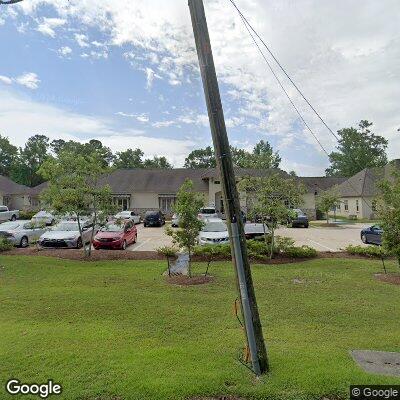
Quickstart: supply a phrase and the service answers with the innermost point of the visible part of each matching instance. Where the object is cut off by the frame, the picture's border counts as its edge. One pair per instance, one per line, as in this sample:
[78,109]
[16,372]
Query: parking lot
[321,238]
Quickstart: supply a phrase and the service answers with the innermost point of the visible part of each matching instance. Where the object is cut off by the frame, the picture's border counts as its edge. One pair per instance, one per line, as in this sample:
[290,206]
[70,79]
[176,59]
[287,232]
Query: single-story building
[15,196]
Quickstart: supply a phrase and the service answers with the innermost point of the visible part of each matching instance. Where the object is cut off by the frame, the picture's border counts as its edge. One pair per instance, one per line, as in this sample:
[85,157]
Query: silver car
[128,215]
[43,218]
[66,235]
[21,233]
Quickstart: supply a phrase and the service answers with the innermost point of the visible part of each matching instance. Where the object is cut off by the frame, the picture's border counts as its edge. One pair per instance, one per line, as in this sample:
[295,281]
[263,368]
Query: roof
[362,184]
[320,182]
[39,188]
[7,186]
[127,181]
[240,172]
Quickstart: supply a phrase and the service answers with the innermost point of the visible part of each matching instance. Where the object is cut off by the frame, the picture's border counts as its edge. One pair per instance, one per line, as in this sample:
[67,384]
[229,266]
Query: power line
[283,69]
[282,87]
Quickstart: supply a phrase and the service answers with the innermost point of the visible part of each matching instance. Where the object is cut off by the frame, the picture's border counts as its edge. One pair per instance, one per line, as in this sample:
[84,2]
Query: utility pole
[240,259]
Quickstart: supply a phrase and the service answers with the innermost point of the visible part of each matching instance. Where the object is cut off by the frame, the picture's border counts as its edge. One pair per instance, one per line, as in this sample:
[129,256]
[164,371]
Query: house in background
[15,196]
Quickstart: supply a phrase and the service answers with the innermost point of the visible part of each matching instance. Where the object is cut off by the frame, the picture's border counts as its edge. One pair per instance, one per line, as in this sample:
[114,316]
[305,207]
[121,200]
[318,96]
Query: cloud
[64,51]
[48,25]
[139,117]
[21,117]
[29,80]
[81,39]
[6,80]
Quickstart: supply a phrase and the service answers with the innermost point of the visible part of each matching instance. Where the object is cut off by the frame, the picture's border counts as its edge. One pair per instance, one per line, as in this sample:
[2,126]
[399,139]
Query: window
[166,202]
[346,205]
[357,206]
[123,202]
[217,182]
[338,206]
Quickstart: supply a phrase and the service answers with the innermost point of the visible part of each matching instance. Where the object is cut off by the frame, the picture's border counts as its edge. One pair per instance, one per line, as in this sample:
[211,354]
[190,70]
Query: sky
[127,73]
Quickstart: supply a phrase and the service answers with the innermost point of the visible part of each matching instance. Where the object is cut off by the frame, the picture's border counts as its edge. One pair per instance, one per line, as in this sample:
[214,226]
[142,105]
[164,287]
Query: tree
[327,200]
[169,253]
[157,163]
[389,214]
[261,157]
[8,155]
[25,168]
[93,147]
[357,149]
[74,188]
[271,199]
[129,159]
[201,158]
[187,206]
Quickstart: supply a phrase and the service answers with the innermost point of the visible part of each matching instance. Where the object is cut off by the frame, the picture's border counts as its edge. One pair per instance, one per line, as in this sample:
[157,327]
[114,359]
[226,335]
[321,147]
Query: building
[15,196]
[359,192]
[142,190]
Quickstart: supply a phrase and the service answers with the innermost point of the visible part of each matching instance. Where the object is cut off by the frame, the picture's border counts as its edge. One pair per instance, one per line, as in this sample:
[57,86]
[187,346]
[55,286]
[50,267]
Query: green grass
[116,328]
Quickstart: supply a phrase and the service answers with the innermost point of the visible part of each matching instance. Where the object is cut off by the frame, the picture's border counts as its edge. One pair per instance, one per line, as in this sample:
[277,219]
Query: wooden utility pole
[240,259]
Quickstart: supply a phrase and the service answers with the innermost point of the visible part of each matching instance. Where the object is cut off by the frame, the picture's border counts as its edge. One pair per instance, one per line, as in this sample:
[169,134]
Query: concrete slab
[378,362]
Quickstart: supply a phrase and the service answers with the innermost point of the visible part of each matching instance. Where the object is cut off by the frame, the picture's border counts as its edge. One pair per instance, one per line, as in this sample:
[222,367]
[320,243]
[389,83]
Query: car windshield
[9,226]
[299,213]
[67,226]
[207,211]
[112,228]
[151,214]
[215,227]
[124,213]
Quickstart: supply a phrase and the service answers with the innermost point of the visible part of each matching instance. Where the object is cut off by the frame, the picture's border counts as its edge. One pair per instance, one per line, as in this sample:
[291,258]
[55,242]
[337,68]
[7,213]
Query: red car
[115,235]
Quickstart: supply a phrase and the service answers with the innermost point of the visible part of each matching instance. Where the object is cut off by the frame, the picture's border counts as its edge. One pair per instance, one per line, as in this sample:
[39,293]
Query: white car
[175,221]
[214,231]
[21,233]
[128,215]
[43,218]
[207,212]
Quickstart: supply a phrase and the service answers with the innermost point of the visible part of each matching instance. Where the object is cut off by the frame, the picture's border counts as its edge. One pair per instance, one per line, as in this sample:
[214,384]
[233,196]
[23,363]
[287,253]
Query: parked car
[253,230]
[372,235]
[8,215]
[21,233]
[66,235]
[116,235]
[214,231]
[299,218]
[43,218]
[207,212]
[128,215]
[175,221]
[154,218]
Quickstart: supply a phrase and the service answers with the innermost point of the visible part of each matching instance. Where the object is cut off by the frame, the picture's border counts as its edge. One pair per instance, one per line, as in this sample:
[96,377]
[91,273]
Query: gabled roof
[241,172]
[319,183]
[168,181]
[362,184]
[7,186]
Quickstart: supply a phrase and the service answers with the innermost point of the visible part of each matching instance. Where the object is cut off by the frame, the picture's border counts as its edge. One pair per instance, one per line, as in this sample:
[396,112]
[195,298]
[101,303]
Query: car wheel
[144,225]
[306,226]
[13,218]
[123,247]
[364,239]
[24,242]
[79,243]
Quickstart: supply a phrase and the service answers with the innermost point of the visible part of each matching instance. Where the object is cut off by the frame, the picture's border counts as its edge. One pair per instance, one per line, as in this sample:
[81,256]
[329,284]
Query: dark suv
[298,219]
[154,218]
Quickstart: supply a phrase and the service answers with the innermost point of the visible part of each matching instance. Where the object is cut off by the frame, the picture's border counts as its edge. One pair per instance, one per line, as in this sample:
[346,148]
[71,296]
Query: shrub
[301,252]
[26,214]
[219,250]
[5,245]
[282,243]
[368,251]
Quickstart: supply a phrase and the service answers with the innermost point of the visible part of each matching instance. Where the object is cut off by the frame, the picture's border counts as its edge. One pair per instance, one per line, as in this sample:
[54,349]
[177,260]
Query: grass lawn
[117,329]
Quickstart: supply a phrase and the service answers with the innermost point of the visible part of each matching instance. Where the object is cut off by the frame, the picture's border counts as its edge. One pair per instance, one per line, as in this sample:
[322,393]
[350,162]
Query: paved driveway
[322,239]
[150,239]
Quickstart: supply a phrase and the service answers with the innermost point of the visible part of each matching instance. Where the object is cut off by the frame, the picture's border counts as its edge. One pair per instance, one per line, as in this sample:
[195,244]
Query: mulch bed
[99,255]
[394,279]
[183,280]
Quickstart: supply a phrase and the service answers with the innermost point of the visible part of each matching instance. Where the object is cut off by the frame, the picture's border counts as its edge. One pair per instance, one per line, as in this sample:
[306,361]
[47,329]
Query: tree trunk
[190,263]
[272,243]
[81,234]
[327,217]
[169,267]
[92,234]
[208,266]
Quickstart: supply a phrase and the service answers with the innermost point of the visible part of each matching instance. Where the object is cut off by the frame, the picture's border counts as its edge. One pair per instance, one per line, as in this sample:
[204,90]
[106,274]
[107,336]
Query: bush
[219,250]
[368,251]
[5,245]
[301,252]
[26,214]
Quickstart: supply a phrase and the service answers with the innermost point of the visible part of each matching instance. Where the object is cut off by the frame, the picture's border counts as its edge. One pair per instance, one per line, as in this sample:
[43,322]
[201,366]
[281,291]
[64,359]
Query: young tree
[327,200]
[187,206]
[8,155]
[357,149]
[169,253]
[271,198]
[389,213]
[74,189]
